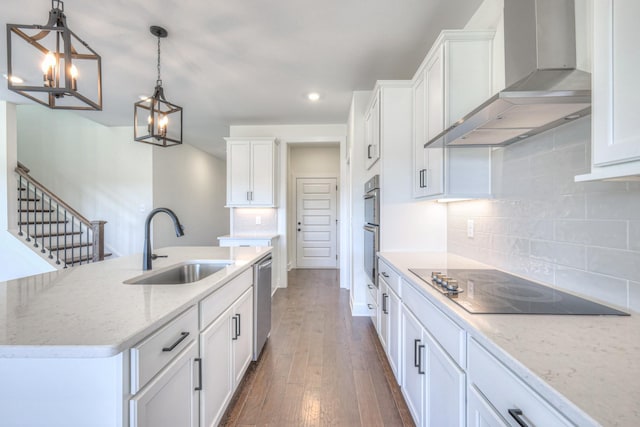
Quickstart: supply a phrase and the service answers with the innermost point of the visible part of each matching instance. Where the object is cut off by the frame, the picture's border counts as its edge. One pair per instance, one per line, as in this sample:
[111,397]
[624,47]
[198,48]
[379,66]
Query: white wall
[98,170]
[192,183]
[17,260]
[298,134]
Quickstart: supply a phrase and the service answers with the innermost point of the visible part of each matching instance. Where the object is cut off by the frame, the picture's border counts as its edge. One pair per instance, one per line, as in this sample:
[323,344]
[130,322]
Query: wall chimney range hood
[543,88]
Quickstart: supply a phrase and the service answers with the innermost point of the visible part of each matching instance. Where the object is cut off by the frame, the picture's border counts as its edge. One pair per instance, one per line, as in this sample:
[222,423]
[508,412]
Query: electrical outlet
[258,220]
[470,226]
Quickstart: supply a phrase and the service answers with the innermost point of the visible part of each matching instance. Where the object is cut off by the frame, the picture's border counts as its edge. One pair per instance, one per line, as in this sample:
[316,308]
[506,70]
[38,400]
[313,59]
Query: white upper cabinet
[615,127]
[455,77]
[251,172]
[372,131]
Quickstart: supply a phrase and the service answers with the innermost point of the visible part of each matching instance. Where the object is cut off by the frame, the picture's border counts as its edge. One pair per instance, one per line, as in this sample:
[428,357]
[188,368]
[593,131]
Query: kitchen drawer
[390,276]
[372,303]
[156,351]
[215,304]
[505,391]
[448,334]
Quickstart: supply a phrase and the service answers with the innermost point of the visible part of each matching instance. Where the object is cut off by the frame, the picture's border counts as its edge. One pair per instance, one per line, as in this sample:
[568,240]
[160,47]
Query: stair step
[70,246]
[42,222]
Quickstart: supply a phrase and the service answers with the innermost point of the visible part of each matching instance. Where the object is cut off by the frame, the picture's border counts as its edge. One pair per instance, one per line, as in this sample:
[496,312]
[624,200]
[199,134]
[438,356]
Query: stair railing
[63,223]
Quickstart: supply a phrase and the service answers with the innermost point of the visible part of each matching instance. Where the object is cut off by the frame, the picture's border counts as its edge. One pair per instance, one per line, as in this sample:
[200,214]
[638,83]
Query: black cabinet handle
[235,328]
[420,347]
[369,151]
[239,325]
[199,360]
[370,306]
[518,415]
[416,362]
[384,303]
[183,336]
[421,178]
[384,273]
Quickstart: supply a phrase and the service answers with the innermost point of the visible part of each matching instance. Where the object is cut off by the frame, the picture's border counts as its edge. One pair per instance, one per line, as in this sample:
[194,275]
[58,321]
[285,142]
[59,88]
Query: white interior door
[316,223]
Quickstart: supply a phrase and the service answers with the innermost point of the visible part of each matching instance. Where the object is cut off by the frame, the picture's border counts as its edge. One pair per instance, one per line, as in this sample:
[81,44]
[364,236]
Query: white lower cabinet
[171,399]
[393,331]
[412,366]
[507,394]
[225,350]
[479,411]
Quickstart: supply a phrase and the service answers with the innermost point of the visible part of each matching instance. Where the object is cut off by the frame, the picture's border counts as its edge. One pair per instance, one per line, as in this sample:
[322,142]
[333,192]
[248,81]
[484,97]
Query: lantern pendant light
[66,73]
[156,120]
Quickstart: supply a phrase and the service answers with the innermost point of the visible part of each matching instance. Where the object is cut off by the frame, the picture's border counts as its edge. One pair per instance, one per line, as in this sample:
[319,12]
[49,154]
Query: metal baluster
[35,228]
[73,243]
[80,248]
[42,249]
[65,238]
[28,206]
[50,230]
[20,233]
[57,234]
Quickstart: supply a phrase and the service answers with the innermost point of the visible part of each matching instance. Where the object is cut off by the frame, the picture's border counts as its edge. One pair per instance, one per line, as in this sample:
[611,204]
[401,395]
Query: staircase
[62,235]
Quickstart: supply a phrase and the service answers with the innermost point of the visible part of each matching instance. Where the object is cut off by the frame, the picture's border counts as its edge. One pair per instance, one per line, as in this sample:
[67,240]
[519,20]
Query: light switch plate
[258,220]
[470,230]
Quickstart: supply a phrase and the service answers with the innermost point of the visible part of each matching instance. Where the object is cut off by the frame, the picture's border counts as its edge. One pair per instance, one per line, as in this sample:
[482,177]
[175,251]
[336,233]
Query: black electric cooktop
[496,292]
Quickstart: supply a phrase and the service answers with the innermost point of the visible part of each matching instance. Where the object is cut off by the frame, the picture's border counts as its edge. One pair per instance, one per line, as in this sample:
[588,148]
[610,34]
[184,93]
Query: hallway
[321,366]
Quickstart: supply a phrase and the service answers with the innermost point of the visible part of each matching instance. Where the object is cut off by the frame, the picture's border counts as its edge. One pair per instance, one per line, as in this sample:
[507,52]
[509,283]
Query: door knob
[299,223]
[298,229]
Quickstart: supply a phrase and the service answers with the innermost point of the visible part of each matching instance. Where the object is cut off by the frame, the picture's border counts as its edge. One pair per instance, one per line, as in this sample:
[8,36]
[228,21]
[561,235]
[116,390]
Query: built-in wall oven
[371,227]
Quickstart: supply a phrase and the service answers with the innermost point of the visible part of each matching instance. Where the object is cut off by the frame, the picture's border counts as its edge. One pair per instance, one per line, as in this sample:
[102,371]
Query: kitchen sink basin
[180,274]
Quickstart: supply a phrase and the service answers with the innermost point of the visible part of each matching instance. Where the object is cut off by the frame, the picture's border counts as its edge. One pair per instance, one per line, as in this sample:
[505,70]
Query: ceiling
[249,61]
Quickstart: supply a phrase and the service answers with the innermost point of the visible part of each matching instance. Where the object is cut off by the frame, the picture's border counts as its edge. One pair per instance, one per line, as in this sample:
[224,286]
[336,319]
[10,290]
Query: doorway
[316,223]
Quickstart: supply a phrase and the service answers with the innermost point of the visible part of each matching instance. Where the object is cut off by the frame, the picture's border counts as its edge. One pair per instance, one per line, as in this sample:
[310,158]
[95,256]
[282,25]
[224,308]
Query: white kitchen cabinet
[383,313]
[372,131]
[389,306]
[372,305]
[454,78]
[432,383]
[508,396]
[615,135]
[171,399]
[226,345]
[251,172]
[479,411]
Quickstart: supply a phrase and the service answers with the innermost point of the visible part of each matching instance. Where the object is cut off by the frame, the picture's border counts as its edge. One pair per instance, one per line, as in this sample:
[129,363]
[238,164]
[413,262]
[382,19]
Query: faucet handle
[154,256]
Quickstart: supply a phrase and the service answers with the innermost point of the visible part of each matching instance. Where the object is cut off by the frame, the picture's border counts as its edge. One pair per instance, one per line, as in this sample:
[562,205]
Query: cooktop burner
[496,292]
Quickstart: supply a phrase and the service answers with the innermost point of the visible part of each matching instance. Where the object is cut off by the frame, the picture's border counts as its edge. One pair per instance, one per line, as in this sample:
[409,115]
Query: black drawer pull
[199,360]
[416,362]
[518,416]
[183,336]
[239,325]
[384,273]
[420,348]
[235,328]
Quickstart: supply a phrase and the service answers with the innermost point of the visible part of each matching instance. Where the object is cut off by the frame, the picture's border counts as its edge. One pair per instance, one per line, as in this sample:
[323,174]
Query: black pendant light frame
[58,82]
[161,115]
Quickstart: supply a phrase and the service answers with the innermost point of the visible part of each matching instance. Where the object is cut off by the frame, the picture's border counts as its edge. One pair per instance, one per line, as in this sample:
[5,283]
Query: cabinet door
[262,168]
[435,94]
[383,312]
[393,337]
[216,356]
[372,132]
[616,130]
[238,173]
[419,138]
[242,335]
[479,411]
[170,399]
[445,388]
[413,373]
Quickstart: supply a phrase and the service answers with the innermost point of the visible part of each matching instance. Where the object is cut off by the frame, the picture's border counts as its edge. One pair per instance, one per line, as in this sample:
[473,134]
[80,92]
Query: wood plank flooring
[320,367]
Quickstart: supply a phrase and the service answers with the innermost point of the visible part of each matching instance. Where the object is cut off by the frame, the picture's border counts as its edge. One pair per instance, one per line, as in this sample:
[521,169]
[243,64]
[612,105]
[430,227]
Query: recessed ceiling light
[14,79]
[313,96]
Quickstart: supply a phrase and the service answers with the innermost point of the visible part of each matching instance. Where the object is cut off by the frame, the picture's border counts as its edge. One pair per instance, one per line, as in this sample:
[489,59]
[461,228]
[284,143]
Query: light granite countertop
[87,311]
[249,236]
[588,367]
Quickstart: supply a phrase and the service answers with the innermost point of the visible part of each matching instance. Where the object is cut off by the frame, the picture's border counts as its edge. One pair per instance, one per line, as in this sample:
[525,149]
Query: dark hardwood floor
[320,367]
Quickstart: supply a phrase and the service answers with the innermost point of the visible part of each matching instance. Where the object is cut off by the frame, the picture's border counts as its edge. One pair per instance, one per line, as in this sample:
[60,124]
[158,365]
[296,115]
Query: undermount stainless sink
[180,274]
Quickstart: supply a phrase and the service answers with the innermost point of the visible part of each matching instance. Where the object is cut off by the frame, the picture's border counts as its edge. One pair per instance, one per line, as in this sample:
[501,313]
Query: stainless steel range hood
[543,87]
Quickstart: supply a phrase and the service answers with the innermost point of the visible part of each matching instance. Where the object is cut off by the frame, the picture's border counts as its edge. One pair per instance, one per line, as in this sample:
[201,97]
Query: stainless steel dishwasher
[261,304]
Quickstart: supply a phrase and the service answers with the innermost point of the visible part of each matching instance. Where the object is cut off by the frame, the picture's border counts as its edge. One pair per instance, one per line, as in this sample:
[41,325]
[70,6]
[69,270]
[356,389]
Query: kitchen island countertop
[88,311]
[586,366]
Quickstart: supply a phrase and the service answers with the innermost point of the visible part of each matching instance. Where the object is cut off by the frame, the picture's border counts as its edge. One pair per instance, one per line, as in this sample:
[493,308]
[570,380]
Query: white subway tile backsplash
[606,288]
[610,234]
[614,262]
[543,225]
